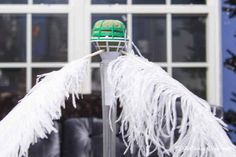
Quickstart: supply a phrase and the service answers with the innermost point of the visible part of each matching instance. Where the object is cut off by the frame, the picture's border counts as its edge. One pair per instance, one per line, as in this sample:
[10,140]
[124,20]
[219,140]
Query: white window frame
[75,12]
[211,9]
[79,24]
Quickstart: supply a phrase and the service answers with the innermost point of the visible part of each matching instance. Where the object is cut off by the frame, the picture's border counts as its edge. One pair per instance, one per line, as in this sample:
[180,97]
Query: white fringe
[33,117]
[148,97]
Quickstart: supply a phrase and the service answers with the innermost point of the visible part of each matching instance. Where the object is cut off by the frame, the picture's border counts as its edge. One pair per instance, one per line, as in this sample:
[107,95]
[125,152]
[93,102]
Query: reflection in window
[193,78]
[109,1]
[13,2]
[188,1]
[12,80]
[51,1]
[96,17]
[96,80]
[12,38]
[39,71]
[189,38]
[149,2]
[50,37]
[12,88]
[149,34]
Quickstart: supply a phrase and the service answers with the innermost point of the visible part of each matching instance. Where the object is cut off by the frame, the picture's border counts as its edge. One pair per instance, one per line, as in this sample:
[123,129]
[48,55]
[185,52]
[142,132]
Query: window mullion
[30,2]
[28,51]
[129,28]
[169,43]
[168,2]
[214,54]
[129,2]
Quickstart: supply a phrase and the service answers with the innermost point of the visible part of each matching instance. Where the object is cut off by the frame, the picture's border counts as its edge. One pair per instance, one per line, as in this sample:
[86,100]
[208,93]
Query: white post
[109,136]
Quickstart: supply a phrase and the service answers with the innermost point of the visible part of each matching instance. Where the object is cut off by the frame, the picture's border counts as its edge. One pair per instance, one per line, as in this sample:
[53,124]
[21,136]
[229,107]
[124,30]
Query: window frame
[79,24]
[211,9]
[30,9]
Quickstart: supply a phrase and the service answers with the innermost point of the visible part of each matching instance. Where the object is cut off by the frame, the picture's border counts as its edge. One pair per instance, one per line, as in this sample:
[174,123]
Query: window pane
[193,78]
[189,38]
[50,37]
[149,34]
[13,2]
[51,1]
[12,88]
[96,17]
[96,80]
[39,71]
[149,1]
[12,38]
[188,1]
[109,1]
[12,80]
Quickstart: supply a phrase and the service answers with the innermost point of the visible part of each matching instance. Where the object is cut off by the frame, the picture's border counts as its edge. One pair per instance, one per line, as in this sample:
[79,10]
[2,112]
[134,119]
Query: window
[180,39]
[149,34]
[41,35]
[49,38]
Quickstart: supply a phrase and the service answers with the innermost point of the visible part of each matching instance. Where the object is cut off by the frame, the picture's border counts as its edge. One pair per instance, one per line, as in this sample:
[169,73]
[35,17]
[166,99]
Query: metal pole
[109,136]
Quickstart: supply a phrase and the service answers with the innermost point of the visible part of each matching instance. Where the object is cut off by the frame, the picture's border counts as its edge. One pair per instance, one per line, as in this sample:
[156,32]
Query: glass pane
[109,1]
[189,38]
[13,2]
[12,80]
[149,1]
[188,1]
[96,80]
[96,17]
[193,78]
[12,38]
[39,71]
[50,37]
[149,34]
[12,88]
[51,1]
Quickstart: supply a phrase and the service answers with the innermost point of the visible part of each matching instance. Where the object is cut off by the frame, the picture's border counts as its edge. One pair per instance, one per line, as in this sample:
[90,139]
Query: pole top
[108,30]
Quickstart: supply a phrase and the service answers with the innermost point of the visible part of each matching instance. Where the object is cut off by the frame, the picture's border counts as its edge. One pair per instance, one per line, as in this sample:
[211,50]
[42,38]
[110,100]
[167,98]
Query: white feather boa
[148,96]
[33,116]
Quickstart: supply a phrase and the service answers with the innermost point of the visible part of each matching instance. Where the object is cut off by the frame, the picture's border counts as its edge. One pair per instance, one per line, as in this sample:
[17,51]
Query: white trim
[12,65]
[169,42]
[30,1]
[71,30]
[25,65]
[129,28]
[95,64]
[168,2]
[219,79]
[34,9]
[190,65]
[150,9]
[129,2]
[83,43]
[28,51]
[214,53]
[86,42]
[49,65]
